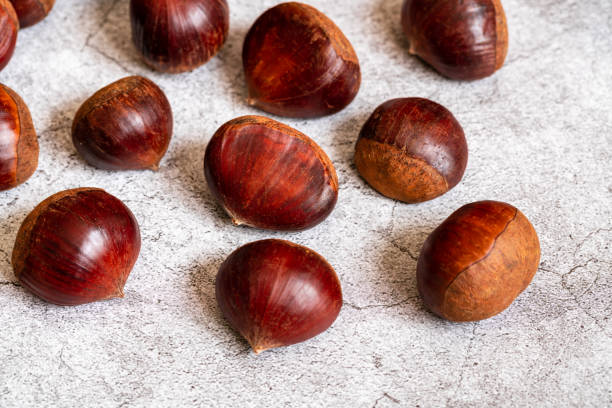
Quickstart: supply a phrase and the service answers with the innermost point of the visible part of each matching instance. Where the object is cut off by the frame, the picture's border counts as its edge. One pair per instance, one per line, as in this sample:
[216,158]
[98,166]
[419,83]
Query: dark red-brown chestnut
[126,125]
[477,261]
[298,63]
[9,26]
[461,39]
[77,246]
[412,150]
[31,12]
[268,175]
[178,35]
[18,142]
[276,293]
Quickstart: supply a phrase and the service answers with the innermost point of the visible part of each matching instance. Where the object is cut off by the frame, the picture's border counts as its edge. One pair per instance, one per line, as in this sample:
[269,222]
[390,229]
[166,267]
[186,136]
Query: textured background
[540,137]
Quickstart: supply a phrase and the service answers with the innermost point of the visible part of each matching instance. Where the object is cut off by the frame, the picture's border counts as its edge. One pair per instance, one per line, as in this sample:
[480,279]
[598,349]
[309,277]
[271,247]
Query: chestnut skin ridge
[9,26]
[126,125]
[477,261]
[177,36]
[31,12]
[19,144]
[412,150]
[463,40]
[276,293]
[298,63]
[268,175]
[77,246]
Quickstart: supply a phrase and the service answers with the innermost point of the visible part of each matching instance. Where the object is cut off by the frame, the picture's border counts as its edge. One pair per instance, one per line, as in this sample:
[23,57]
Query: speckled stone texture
[540,138]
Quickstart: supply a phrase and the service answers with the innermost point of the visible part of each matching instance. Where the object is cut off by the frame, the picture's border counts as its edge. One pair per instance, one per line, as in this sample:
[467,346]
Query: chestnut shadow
[201,283]
[188,158]
[56,138]
[386,20]
[230,72]
[398,264]
[345,134]
[112,35]
[13,214]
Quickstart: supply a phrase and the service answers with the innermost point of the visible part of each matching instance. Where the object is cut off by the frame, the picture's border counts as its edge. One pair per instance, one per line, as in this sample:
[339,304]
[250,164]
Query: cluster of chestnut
[80,245]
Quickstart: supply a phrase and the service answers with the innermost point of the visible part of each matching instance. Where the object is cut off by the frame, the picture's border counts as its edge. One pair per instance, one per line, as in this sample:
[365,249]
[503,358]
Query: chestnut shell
[298,63]
[463,40]
[77,246]
[412,150]
[126,125]
[268,175]
[178,36]
[31,12]
[9,26]
[477,261]
[276,293]
[18,144]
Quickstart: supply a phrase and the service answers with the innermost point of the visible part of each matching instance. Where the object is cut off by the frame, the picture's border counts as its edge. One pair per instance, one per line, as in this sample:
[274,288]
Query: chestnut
[126,125]
[276,293]
[298,63]
[412,150]
[178,35]
[77,246]
[18,142]
[461,39]
[268,175]
[9,26]
[477,261]
[31,12]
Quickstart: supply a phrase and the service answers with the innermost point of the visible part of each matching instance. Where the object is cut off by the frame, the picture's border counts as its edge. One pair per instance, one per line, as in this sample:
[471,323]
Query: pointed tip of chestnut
[412,150]
[276,293]
[77,246]
[298,63]
[19,147]
[268,175]
[9,26]
[477,261]
[31,12]
[442,33]
[126,125]
[178,36]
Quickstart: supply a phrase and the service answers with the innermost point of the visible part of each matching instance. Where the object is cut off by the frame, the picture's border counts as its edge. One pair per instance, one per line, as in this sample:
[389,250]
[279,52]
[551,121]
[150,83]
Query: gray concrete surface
[540,137]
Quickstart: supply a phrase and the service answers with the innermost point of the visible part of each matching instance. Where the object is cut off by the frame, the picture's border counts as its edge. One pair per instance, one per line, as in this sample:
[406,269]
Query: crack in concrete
[384,306]
[387,396]
[464,366]
[102,24]
[404,250]
[577,297]
[112,59]
[589,235]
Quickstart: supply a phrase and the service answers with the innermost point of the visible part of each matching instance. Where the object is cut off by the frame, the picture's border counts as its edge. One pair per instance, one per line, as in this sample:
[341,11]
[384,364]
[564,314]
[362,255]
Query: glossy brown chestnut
[412,150]
[31,12]
[178,35]
[477,261]
[9,26]
[77,246]
[18,142]
[276,293]
[126,125]
[298,63]
[268,175]
[461,39]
